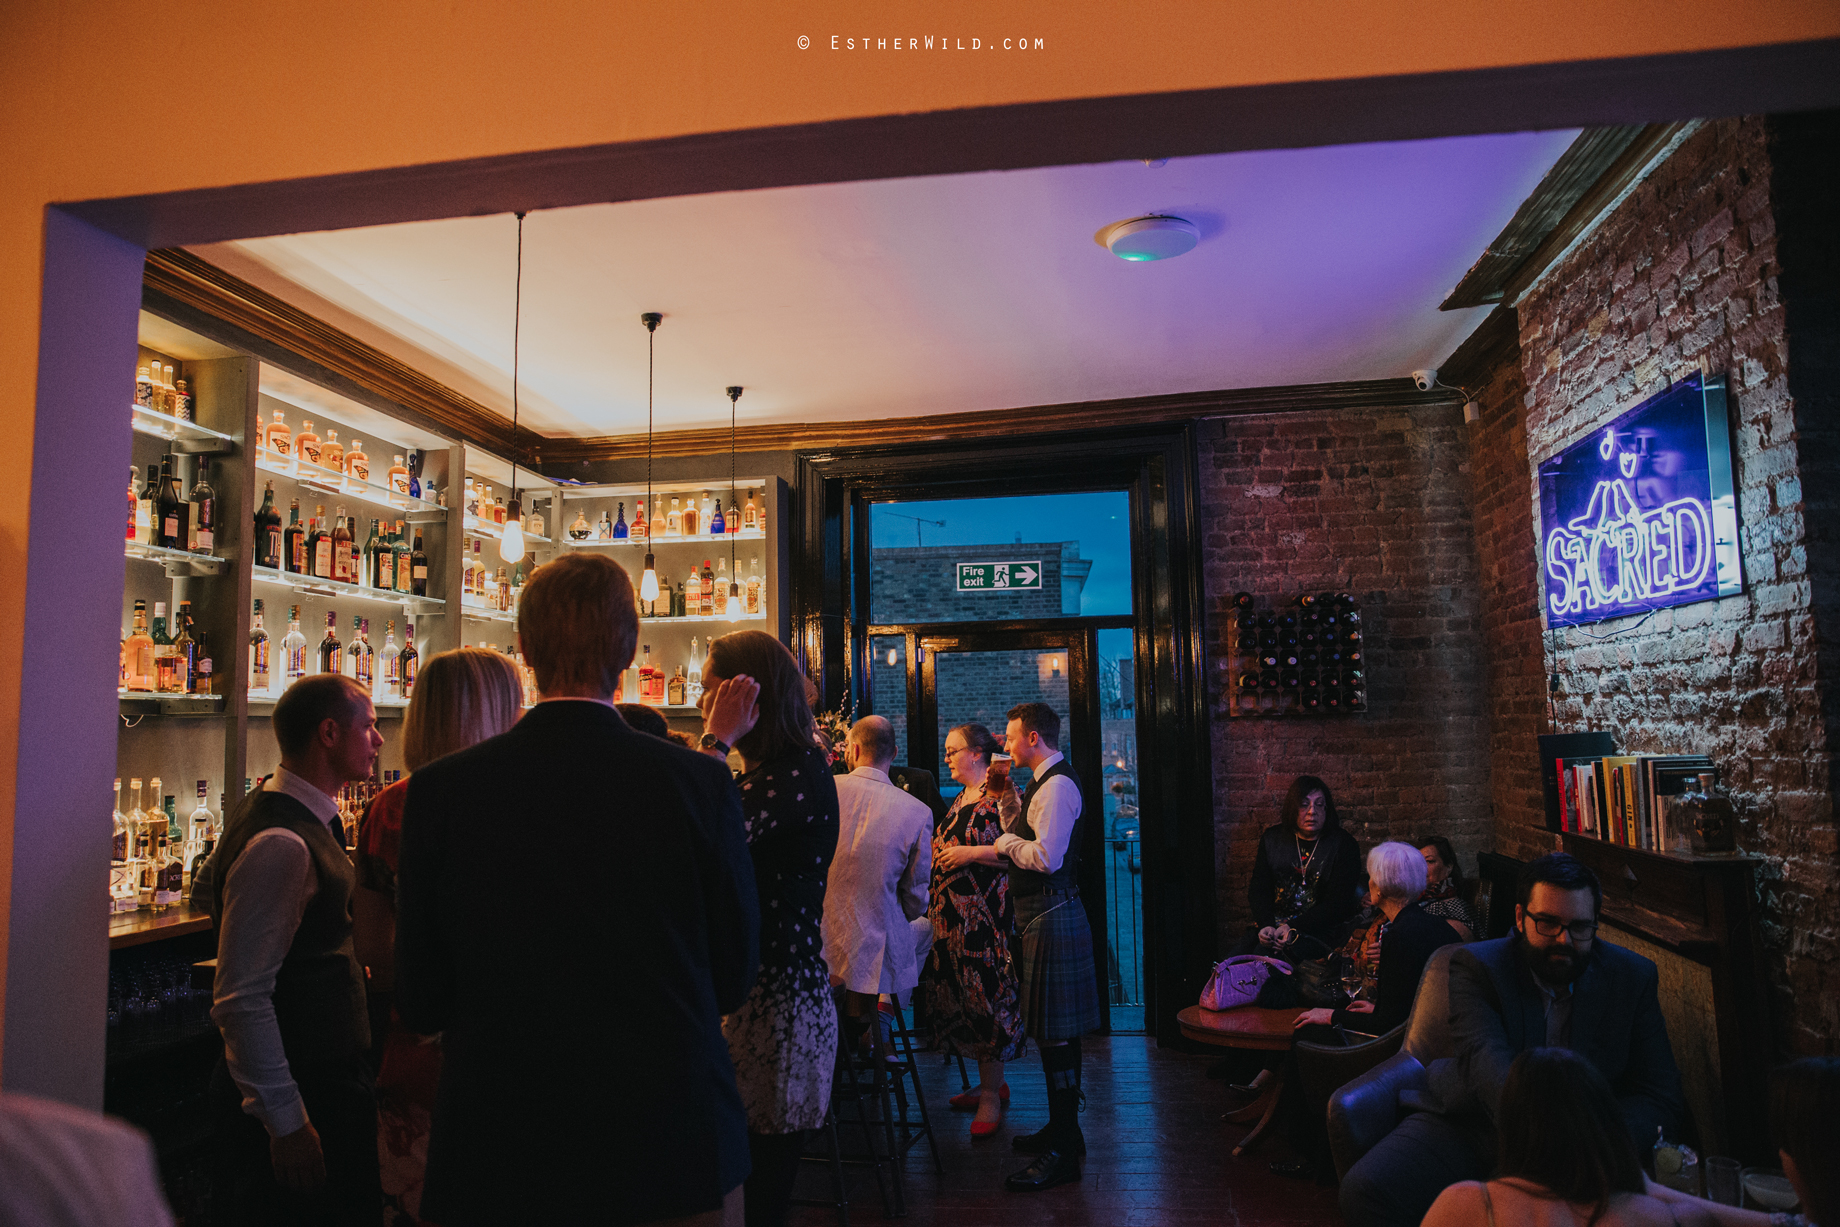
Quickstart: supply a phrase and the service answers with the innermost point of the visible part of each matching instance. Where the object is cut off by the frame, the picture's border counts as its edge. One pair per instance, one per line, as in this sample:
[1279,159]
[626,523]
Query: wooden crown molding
[184,277]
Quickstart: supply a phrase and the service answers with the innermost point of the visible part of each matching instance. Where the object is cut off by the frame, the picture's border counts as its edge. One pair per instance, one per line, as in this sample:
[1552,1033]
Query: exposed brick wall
[919,584]
[1686,271]
[1376,504]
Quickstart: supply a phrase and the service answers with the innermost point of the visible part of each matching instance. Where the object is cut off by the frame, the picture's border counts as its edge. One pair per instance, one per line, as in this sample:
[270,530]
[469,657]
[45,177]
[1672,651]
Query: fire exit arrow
[1026,575]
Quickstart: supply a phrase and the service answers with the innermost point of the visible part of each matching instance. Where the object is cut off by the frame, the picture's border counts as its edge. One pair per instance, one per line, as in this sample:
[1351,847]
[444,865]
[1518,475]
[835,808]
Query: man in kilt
[1054,954]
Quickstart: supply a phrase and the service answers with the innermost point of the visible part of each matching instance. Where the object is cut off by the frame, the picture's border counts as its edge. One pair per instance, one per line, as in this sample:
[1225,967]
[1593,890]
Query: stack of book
[1627,798]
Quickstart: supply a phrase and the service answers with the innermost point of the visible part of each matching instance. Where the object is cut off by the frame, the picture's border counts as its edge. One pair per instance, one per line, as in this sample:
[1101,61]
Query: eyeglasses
[1552,926]
[953,752]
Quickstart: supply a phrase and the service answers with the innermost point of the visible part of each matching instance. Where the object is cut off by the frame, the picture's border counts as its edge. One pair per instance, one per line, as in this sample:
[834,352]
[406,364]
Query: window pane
[1124,866]
[1000,559]
[888,685]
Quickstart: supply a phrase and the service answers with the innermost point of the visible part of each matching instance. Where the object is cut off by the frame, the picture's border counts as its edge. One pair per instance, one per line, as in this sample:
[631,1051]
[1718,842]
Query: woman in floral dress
[975,999]
[783,1039]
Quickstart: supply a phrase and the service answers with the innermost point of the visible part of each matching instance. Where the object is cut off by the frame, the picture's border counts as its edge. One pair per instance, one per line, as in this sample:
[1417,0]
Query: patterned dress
[783,1039]
[974,1000]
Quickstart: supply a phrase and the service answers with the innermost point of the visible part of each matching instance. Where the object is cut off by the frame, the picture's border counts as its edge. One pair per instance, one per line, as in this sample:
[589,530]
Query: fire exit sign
[998,576]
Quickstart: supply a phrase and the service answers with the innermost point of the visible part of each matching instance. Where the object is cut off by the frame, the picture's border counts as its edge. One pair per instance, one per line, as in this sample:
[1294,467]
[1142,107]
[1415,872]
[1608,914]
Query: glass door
[976,677]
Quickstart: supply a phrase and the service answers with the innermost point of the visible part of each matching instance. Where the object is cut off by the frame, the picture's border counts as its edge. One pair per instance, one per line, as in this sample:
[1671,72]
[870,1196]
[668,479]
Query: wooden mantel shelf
[136,928]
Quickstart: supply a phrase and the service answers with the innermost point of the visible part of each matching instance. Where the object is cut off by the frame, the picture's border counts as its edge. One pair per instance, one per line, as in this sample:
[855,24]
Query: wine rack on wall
[1305,657]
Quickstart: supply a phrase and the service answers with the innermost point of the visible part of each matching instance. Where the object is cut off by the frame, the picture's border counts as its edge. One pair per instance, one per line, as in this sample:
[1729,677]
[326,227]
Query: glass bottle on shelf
[157,390]
[675,689]
[405,580]
[185,652]
[319,545]
[620,531]
[280,443]
[203,678]
[134,502]
[604,530]
[165,664]
[750,515]
[399,477]
[137,654]
[362,656]
[722,585]
[198,826]
[406,662]
[580,530]
[413,463]
[268,530]
[719,524]
[258,654]
[470,505]
[294,648]
[143,388]
[207,843]
[184,408]
[693,689]
[149,834]
[367,560]
[121,846]
[692,590]
[172,861]
[343,548]
[294,541]
[689,521]
[146,515]
[641,528]
[500,509]
[710,513]
[646,674]
[357,464]
[332,452]
[129,897]
[501,590]
[706,592]
[306,445]
[734,514]
[387,674]
[753,586]
[331,651]
[170,510]
[533,523]
[204,512]
[674,521]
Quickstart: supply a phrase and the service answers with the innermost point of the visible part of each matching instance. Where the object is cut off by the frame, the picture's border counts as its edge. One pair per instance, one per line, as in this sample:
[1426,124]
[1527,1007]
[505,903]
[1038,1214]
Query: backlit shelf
[746,534]
[746,617]
[493,532]
[485,613]
[311,586]
[187,437]
[334,484]
[178,563]
[386,708]
[153,703]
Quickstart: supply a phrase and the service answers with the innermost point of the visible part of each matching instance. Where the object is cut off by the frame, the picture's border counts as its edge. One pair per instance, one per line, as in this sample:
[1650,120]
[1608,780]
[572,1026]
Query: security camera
[1424,381]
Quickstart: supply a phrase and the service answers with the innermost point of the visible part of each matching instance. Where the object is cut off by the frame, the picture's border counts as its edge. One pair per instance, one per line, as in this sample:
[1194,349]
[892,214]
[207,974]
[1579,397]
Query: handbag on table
[1247,979]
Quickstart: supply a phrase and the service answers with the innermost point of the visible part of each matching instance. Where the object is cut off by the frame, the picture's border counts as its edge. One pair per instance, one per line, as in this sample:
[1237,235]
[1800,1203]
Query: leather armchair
[1366,1107]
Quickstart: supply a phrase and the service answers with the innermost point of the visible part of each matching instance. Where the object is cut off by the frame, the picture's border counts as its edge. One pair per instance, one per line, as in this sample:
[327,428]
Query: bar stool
[906,1067]
[860,1099]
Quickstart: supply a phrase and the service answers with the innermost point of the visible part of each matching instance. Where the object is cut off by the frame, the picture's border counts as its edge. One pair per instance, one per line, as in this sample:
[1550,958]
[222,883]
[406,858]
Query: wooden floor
[1157,1153]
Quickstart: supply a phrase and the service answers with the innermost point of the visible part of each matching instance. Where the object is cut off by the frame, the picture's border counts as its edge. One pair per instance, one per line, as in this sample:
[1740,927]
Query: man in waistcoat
[1040,848]
[296,1121]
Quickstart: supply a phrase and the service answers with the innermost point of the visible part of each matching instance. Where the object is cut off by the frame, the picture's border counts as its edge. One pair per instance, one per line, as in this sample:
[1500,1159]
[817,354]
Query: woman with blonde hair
[461,698]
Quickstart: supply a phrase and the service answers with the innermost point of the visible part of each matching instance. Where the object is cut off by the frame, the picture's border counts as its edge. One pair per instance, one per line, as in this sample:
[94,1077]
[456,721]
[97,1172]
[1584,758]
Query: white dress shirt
[878,884]
[265,896]
[1052,813]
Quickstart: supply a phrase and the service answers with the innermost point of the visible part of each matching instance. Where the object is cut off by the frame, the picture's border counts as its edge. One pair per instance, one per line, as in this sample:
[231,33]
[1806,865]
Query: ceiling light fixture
[1155,237]
[511,541]
[733,609]
[648,583]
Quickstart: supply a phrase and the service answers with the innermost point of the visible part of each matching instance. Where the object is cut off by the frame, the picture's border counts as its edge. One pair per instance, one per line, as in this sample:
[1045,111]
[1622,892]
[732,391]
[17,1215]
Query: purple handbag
[1237,981]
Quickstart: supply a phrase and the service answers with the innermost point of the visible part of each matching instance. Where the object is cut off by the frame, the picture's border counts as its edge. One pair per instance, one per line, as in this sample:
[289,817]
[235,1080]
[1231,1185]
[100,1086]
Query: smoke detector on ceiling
[1156,237]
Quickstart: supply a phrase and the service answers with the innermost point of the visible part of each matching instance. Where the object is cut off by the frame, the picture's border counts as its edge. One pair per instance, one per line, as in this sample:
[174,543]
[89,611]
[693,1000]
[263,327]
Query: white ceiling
[932,295]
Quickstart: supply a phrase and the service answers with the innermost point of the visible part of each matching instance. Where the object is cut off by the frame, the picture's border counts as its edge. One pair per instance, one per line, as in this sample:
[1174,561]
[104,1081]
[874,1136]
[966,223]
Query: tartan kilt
[1054,964]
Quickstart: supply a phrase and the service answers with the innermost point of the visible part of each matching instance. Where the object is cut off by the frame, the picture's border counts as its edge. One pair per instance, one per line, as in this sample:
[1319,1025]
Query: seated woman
[1306,875]
[1564,1157]
[1445,894]
[1407,936]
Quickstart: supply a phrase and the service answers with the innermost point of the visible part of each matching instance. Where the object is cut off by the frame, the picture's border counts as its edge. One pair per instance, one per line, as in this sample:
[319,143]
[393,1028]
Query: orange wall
[97,100]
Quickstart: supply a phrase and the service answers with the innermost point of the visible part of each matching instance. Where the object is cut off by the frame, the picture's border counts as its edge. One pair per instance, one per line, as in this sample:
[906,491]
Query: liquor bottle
[142,673]
[258,654]
[149,834]
[207,843]
[533,523]
[641,528]
[753,586]
[197,834]
[344,562]
[357,464]
[399,478]
[306,445]
[500,509]
[136,823]
[293,541]
[121,880]
[502,590]
[165,664]
[385,563]
[469,500]
[619,524]
[368,568]
[170,509]
[675,690]
[332,452]
[185,652]
[118,848]
[186,409]
[647,675]
[417,487]
[400,546]
[750,515]
[146,515]
[331,651]
[712,511]
[706,592]
[157,388]
[405,663]
[718,523]
[361,653]
[679,604]
[733,519]
[688,522]
[388,674]
[722,584]
[201,534]
[267,530]
[693,595]
[143,388]
[674,521]
[580,530]
[319,545]
[134,502]
[204,674]
[604,530]
[517,587]
[172,861]
[280,443]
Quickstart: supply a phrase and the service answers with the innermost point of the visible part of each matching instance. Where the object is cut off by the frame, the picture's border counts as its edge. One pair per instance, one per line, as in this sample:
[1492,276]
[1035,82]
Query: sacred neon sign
[1641,514]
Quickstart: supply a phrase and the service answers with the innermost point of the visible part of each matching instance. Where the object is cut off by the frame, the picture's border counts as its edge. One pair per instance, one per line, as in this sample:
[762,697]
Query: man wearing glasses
[1552,983]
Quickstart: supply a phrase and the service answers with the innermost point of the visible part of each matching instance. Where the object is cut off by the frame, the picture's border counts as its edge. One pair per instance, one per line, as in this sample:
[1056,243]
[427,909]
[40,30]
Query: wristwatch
[712,742]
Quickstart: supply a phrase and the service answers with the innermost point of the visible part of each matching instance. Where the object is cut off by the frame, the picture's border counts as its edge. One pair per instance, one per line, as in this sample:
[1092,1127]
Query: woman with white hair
[1408,935]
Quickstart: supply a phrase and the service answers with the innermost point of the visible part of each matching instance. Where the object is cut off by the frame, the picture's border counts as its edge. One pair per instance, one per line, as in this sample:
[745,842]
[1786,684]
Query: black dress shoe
[1040,1143]
[1049,1169]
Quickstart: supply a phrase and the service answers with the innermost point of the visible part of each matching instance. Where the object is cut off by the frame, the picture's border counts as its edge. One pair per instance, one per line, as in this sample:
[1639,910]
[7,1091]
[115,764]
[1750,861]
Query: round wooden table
[1247,1027]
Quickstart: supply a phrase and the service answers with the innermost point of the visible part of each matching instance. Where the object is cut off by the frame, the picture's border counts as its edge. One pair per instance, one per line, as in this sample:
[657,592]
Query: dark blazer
[575,912]
[917,782]
[1404,951]
[1497,1012]
[1334,877]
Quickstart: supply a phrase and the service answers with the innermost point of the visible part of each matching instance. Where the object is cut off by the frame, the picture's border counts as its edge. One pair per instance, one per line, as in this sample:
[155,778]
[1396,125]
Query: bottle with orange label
[280,441]
[332,452]
[357,464]
[306,444]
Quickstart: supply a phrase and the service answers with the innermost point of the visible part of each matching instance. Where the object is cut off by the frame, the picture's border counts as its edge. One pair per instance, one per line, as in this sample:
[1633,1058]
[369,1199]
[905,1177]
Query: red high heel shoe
[967,1101]
[984,1128]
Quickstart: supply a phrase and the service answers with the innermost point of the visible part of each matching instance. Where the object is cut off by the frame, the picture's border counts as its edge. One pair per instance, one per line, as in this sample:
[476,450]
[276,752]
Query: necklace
[1303,858]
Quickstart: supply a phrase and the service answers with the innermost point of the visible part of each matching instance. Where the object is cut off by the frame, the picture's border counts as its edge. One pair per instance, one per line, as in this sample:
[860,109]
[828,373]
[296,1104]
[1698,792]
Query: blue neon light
[1642,514]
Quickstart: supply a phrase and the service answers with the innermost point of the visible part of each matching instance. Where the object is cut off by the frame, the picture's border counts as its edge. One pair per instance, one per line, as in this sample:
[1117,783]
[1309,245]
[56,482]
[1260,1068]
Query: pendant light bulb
[648,583]
[733,609]
[511,541]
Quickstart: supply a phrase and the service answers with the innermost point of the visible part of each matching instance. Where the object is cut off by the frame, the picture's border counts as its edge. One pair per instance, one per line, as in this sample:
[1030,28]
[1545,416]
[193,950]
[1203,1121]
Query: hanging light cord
[734,568]
[517,318]
[651,341]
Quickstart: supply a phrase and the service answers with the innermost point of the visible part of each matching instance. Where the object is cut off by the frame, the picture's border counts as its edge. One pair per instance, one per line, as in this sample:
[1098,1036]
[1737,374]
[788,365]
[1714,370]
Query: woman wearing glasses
[974,998]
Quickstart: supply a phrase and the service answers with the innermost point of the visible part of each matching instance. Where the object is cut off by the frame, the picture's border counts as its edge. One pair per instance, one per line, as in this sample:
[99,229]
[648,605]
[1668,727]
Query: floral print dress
[974,999]
[783,1039]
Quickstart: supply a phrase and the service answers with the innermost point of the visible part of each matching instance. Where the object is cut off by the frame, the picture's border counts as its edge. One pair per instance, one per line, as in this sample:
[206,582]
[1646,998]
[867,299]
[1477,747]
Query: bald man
[878,882]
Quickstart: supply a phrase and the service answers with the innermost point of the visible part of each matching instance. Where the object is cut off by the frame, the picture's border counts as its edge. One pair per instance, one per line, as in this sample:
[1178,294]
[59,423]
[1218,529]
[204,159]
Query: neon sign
[1641,515]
